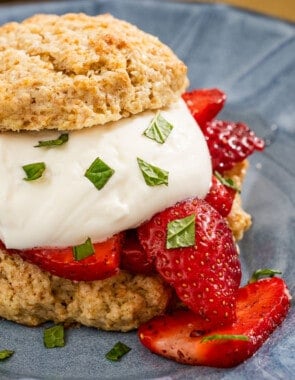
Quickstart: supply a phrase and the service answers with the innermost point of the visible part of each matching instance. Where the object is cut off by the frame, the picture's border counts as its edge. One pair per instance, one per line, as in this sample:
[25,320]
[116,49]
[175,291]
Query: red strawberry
[221,196]
[204,104]
[230,143]
[133,257]
[205,275]
[61,262]
[261,307]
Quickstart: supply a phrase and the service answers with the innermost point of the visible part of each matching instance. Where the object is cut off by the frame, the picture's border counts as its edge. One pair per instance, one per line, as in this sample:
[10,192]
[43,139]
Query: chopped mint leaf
[153,175]
[227,182]
[224,337]
[259,273]
[159,129]
[62,139]
[120,349]
[54,337]
[84,250]
[34,170]
[181,233]
[5,354]
[99,173]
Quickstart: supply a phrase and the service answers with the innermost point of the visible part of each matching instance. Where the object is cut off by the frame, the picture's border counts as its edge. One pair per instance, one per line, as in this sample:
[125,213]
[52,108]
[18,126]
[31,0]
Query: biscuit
[31,296]
[74,71]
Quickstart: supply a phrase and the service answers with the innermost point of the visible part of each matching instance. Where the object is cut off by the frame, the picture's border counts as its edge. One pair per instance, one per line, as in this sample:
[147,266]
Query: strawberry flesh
[220,197]
[60,261]
[133,257]
[205,276]
[229,143]
[261,307]
[204,104]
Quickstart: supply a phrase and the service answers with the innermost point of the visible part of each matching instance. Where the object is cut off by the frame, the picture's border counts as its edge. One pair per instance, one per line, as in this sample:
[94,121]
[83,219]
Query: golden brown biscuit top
[73,71]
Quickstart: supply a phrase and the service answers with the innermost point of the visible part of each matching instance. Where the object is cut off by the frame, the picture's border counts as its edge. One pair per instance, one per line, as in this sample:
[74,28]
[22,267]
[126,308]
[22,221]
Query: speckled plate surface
[251,58]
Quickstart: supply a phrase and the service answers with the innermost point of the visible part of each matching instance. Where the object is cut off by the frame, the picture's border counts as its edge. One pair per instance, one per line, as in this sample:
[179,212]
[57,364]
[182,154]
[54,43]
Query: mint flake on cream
[99,173]
[152,175]
[34,171]
[159,129]
[62,139]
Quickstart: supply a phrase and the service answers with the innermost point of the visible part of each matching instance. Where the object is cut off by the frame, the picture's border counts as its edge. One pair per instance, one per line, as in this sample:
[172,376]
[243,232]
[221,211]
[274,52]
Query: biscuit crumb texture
[238,219]
[121,303]
[74,71]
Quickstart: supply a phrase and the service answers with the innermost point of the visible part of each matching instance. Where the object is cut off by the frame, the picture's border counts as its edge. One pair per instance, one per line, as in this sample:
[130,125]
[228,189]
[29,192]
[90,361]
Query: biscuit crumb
[238,219]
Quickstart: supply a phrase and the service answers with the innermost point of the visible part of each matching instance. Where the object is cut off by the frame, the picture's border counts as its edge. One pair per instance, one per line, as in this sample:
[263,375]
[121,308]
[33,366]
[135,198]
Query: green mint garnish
[153,175]
[34,170]
[259,273]
[63,138]
[54,337]
[224,337]
[99,173]
[119,350]
[159,129]
[227,181]
[181,232]
[5,354]
[84,250]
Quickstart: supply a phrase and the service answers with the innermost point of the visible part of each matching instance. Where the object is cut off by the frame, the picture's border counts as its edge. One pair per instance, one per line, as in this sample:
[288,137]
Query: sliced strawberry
[133,257]
[206,275]
[220,196]
[261,307]
[61,262]
[230,143]
[204,104]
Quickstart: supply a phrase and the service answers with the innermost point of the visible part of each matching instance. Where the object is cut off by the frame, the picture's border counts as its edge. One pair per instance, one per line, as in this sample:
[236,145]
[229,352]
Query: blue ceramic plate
[252,58]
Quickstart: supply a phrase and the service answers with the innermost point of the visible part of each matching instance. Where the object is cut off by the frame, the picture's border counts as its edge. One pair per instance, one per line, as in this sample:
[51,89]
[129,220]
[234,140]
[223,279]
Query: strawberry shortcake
[120,192]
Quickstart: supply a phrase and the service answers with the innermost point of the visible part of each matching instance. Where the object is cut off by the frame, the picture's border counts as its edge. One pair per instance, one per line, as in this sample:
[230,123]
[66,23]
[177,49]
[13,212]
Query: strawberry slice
[261,307]
[206,275]
[61,262]
[204,104]
[229,143]
[221,196]
[133,257]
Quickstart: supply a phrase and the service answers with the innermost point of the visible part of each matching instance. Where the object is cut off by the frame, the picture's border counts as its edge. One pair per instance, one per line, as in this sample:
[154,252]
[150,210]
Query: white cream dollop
[63,208]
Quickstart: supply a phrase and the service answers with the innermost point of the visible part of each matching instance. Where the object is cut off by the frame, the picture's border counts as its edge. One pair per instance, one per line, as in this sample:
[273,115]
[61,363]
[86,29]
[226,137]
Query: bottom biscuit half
[120,303]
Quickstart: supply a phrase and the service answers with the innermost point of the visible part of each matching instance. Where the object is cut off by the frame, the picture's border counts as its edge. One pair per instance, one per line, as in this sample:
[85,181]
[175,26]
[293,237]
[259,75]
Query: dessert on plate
[110,171]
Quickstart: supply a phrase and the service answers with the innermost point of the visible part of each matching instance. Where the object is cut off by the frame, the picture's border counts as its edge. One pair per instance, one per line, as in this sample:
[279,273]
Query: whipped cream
[63,208]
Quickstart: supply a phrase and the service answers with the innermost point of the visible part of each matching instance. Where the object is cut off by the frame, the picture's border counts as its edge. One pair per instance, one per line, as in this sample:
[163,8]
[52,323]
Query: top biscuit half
[74,71]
